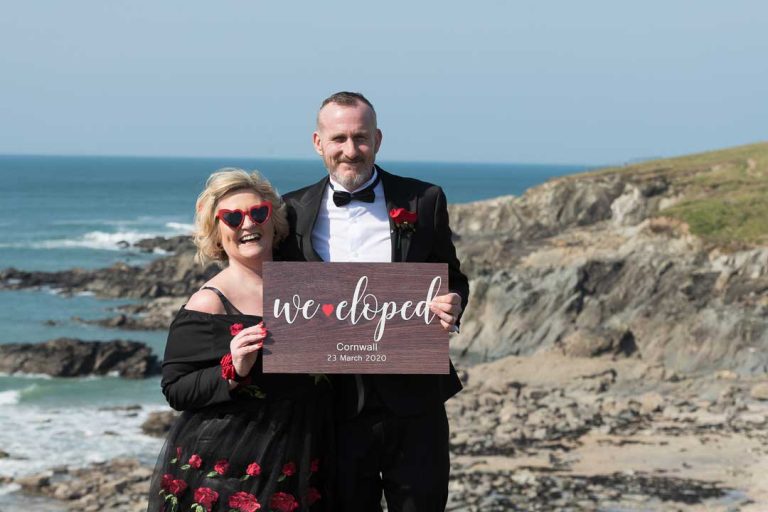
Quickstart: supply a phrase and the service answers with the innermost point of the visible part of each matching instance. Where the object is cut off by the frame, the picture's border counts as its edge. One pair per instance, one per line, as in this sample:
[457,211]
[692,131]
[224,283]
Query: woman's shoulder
[205,300]
[198,331]
[187,314]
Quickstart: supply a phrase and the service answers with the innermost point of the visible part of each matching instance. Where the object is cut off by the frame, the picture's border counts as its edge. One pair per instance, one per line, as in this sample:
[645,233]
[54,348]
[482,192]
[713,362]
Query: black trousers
[406,458]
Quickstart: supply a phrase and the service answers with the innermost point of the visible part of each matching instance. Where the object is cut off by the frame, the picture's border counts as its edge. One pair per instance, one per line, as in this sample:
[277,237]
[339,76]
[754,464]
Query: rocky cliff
[606,264]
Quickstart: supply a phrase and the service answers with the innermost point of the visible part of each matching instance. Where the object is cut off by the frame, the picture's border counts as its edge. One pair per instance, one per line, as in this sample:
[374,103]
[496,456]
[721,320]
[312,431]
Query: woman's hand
[245,348]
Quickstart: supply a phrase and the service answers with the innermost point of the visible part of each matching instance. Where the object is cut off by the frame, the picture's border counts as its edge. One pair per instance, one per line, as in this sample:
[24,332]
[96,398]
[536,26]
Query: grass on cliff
[724,193]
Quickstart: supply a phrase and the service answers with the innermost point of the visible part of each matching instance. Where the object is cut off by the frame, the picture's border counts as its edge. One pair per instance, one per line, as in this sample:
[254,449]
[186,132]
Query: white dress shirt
[356,232]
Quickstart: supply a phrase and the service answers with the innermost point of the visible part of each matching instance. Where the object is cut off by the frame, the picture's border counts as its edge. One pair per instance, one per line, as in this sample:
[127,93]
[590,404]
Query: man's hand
[448,308]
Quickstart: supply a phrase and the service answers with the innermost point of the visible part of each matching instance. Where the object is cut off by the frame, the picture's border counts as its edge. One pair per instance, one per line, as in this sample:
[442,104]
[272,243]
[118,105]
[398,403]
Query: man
[392,429]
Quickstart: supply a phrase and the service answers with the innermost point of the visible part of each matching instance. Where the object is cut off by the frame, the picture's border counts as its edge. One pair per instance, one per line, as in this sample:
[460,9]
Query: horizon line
[308,159]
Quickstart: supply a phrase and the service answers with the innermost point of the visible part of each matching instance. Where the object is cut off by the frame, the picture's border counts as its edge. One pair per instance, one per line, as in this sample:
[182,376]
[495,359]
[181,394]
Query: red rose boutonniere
[405,222]
[404,219]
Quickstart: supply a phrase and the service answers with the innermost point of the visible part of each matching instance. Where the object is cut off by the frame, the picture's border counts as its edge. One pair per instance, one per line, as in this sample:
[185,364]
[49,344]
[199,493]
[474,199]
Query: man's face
[347,139]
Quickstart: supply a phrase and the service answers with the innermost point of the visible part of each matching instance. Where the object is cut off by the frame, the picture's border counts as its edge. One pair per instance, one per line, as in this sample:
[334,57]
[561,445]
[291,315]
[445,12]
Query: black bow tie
[342,198]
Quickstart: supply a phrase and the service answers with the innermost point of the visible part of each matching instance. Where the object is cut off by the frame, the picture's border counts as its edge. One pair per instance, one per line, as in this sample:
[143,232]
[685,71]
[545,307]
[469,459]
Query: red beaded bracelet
[228,371]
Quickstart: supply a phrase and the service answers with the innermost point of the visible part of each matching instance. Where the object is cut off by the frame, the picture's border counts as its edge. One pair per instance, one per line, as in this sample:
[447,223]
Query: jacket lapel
[306,216]
[397,197]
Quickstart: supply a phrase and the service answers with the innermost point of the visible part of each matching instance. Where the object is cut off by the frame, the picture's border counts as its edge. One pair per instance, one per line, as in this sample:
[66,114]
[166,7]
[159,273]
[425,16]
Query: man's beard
[351,181]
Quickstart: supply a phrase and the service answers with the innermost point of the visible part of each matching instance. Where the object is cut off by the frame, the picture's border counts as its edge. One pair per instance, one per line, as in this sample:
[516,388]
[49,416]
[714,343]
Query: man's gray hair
[346,99]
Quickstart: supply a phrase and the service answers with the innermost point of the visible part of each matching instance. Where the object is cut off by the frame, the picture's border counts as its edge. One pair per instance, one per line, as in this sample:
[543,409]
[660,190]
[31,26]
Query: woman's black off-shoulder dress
[264,446]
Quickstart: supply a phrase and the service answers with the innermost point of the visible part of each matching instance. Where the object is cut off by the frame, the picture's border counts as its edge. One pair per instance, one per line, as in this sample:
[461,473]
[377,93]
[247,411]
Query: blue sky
[587,82]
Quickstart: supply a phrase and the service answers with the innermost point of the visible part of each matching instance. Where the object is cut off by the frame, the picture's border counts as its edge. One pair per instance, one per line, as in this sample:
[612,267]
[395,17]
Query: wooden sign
[354,318]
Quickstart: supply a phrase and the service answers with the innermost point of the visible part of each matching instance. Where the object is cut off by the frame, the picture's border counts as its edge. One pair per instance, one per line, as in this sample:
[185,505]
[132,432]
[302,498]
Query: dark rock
[159,423]
[155,314]
[128,408]
[67,357]
[599,342]
[120,485]
[176,275]
[174,244]
[599,277]
[34,484]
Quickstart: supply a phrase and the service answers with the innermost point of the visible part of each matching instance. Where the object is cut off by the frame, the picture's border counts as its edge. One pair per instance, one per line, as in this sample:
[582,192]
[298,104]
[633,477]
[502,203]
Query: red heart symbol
[327,309]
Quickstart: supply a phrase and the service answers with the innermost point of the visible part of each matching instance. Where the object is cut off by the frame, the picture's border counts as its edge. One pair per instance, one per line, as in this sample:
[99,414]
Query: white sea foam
[75,436]
[26,375]
[7,489]
[10,397]
[97,222]
[103,240]
[95,240]
[143,220]
[180,227]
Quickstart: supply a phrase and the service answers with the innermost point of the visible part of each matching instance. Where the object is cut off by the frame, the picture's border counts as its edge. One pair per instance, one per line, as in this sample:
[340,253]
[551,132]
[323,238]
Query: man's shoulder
[299,194]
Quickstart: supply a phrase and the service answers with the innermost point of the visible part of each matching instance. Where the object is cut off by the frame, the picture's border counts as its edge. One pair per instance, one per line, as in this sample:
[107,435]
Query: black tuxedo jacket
[430,242]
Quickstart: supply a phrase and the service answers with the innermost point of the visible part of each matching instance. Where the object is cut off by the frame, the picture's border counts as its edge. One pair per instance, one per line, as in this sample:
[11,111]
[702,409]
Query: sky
[547,81]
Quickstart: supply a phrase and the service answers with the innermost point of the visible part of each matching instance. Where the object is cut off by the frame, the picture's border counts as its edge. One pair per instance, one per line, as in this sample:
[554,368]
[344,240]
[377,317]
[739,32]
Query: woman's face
[250,242]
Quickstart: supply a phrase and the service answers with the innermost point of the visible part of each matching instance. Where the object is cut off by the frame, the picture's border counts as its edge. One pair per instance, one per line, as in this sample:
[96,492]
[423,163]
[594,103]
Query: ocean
[61,212]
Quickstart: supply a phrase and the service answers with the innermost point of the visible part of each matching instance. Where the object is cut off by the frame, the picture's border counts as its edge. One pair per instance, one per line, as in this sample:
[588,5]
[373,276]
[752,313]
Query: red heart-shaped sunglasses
[259,214]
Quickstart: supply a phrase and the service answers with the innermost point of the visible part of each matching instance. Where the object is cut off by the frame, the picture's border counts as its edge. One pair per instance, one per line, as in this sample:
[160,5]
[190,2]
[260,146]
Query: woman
[246,441]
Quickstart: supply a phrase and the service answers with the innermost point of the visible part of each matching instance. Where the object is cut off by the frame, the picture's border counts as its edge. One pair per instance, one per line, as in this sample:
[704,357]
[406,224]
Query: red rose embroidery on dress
[221,467]
[289,469]
[195,461]
[206,497]
[244,502]
[178,452]
[253,469]
[170,485]
[234,329]
[283,502]
[314,466]
[313,496]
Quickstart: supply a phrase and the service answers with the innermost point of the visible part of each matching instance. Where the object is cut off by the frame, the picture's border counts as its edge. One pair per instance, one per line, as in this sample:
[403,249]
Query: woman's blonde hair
[219,184]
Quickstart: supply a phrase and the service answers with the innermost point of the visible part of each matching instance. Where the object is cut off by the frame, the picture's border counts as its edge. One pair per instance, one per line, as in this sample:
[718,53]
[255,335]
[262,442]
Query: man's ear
[378,141]
[317,143]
